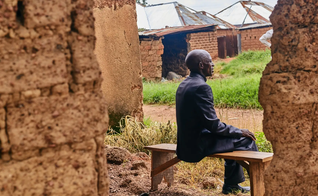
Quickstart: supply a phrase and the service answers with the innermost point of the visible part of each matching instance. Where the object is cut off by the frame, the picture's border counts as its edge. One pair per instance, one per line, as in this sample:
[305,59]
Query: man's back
[188,118]
[200,132]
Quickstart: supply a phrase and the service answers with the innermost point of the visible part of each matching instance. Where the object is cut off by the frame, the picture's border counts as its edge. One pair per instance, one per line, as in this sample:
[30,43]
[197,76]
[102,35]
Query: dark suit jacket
[200,132]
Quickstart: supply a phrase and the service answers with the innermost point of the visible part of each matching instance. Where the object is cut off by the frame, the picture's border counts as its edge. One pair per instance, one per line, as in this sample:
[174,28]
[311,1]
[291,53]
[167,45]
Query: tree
[143,2]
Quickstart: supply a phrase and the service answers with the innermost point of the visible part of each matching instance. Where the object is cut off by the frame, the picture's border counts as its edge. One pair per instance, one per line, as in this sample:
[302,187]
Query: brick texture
[204,40]
[150,54]
[250,38]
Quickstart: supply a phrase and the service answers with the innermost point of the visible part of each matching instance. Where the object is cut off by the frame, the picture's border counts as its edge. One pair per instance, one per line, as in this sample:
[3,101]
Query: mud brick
[39,13]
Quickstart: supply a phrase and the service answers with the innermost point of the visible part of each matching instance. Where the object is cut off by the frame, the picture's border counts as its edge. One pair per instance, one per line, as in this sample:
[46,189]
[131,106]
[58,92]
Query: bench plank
[250,156]
[162,147]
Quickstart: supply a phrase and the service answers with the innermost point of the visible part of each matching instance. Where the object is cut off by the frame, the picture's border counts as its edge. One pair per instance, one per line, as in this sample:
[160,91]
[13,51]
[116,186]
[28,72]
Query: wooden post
[157,159]
[257,170]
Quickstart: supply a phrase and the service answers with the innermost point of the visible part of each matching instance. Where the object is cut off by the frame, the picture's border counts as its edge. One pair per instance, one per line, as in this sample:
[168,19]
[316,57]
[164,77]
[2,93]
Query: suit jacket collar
[196,74]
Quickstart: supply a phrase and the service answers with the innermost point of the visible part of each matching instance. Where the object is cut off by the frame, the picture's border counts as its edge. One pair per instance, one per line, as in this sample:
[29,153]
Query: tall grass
[134,135]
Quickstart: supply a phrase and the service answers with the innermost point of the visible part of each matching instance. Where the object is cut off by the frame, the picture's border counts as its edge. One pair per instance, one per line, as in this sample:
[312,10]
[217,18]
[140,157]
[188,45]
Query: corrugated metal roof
[174,30]
[256,26]
[142,21]
[246,12]
[174,14]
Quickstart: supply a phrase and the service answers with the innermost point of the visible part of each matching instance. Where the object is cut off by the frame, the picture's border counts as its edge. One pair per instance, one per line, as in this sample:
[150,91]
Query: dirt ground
[131,177]
[248,119]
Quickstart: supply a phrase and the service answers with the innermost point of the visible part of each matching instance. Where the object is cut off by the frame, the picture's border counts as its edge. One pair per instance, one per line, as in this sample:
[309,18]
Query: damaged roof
[174,14]
[246,12]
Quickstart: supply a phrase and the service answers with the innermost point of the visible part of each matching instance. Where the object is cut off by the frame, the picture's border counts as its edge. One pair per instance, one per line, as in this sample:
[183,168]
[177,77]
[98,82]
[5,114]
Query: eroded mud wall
[52,112]
[288,94]
[117,51]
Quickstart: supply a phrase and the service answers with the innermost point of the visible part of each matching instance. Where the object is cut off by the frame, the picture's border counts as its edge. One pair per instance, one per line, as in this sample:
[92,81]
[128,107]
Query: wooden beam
[164,166]
[244,164]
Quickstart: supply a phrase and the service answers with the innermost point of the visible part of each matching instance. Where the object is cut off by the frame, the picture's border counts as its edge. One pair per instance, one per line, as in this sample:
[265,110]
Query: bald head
[200,61]
[194,58]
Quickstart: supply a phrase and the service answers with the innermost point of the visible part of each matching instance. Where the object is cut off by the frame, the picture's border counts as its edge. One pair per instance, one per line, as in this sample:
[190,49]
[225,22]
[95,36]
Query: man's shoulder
[194,81]
[193,84]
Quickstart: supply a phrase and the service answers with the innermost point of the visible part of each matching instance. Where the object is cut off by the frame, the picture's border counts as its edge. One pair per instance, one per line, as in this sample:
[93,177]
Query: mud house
[171,36]
[251,19]
[164,50]
[171,30]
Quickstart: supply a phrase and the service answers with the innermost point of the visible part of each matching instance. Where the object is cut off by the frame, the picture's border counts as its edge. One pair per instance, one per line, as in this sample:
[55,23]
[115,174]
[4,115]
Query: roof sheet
[142,21]
[160,16]
[256,26]
[173,14]
[174,30]
[246,12]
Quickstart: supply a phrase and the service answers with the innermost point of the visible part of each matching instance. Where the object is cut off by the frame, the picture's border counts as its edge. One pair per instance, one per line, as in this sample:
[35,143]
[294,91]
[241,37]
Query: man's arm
[204,101]
[205,109]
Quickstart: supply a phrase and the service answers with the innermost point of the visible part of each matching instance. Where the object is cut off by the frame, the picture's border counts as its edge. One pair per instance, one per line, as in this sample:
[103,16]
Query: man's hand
[247,133]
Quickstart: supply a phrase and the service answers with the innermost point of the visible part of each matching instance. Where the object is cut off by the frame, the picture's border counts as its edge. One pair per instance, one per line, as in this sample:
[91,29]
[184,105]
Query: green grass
[250,62]
[238,90]
[262,143]
[230,92]
[160,93]
[241,92]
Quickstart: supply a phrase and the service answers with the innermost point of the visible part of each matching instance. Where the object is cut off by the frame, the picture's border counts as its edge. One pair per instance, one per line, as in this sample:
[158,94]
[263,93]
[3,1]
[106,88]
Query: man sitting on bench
[200,132]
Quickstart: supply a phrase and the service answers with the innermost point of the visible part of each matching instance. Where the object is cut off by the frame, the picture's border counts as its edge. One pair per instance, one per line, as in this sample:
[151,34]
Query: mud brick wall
[151,60]
[288,93]
[250,38]
[225,32]
[204,40]
[117,51]
[52,113]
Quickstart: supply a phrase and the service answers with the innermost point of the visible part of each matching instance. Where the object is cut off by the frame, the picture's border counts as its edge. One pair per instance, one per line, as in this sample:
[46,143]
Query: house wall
[204,40]
[52,113]
[151,60]
[117,51]
[250,38]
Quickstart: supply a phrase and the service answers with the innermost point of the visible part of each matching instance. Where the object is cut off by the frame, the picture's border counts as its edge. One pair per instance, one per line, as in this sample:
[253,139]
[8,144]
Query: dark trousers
[233,171]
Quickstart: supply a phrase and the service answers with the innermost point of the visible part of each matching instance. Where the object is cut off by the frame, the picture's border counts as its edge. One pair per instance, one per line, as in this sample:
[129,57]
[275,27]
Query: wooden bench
[163,158]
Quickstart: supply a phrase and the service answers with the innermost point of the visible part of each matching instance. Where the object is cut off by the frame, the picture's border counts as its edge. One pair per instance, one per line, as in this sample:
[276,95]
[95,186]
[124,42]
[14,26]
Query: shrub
[262,143]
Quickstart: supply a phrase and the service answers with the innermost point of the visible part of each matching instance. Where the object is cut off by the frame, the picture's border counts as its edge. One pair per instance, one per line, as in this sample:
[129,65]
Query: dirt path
[250,119]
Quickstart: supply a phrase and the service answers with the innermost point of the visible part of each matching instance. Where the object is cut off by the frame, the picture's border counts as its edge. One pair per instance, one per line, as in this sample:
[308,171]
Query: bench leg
[157,159]
[257,178]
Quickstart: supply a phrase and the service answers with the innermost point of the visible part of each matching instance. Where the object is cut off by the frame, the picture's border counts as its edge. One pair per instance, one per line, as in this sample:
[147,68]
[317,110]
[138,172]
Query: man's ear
[201,65]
